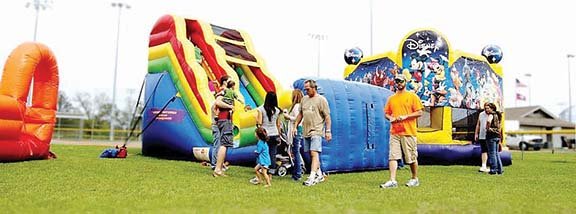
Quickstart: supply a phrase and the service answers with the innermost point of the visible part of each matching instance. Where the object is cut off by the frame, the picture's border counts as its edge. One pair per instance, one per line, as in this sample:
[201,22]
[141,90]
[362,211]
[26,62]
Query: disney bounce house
[186,56]
[26,131]
[452,85]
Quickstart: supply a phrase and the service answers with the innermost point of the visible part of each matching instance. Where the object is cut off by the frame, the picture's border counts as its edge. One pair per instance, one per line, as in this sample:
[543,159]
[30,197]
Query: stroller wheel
[281,171]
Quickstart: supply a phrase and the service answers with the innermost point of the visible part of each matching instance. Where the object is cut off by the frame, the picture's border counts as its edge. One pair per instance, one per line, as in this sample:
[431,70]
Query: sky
[535,37]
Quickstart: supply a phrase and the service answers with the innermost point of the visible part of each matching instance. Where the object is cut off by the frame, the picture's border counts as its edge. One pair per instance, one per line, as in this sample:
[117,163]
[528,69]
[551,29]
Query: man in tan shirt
[315,117]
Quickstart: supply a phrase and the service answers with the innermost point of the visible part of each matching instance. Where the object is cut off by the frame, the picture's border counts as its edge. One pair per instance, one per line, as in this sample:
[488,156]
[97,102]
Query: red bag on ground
[122,152]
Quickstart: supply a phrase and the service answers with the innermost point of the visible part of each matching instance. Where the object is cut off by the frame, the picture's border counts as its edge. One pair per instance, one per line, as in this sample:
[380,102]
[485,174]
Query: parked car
[525,142]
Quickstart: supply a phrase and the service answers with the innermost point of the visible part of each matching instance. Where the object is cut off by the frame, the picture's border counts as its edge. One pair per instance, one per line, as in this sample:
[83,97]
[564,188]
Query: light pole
[38,5]
[568,56]
[318,37]
[529,76]
[113,110]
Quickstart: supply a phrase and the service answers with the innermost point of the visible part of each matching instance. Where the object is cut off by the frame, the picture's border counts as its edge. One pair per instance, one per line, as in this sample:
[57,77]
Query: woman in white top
[295,140]
[268,118]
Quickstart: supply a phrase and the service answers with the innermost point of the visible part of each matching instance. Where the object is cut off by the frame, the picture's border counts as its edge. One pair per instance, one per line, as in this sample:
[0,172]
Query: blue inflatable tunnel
[359,130]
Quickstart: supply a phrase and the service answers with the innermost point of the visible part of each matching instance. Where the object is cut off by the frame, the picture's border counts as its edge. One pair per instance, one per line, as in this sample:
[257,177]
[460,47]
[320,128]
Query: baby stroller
[284,157]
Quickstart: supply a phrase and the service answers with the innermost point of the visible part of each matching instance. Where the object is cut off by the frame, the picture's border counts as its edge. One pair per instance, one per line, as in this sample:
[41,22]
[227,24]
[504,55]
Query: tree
[96,108]
[65,104]
[127,116]
[84,101]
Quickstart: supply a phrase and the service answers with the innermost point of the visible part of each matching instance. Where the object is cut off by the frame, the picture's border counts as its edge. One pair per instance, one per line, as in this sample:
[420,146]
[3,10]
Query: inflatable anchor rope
[151,94]
[155,116]
[145,104]
[138,102]
[144,108]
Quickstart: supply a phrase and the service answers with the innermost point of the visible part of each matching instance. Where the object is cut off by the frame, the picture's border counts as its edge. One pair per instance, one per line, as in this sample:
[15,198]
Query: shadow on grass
[562,161]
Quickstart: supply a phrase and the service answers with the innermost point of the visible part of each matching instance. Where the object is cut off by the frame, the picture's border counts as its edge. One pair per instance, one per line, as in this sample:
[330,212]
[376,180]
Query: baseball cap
[399,77]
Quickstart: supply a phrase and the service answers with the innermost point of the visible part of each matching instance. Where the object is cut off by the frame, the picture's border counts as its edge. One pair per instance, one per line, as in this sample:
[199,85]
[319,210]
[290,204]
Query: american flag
[520,84]
[520,97]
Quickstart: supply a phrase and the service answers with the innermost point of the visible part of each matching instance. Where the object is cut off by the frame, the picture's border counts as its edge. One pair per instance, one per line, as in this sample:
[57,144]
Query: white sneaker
[389,184]
[309,182]
[483,169]
[413,183]
[320,178]
[255,181]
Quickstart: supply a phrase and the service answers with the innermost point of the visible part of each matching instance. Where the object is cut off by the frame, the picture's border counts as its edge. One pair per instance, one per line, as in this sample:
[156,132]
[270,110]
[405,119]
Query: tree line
[97,108]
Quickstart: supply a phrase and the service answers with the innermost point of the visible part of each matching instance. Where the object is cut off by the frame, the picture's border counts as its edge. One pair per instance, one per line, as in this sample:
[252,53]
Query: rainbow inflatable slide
[186,58]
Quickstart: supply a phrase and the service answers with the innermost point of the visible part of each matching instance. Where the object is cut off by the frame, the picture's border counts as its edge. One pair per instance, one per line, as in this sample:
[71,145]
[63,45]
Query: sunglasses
[399,81]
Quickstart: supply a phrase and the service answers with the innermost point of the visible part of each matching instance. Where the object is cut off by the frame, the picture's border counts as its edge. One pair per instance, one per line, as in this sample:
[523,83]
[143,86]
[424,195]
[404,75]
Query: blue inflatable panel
[359,130]
[176,136]
[429,154]
[167,137]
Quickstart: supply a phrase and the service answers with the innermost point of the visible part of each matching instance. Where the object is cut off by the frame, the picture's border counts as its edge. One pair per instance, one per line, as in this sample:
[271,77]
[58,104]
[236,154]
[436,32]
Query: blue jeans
[494,156]
[272,149]
[297,168]
[215,145]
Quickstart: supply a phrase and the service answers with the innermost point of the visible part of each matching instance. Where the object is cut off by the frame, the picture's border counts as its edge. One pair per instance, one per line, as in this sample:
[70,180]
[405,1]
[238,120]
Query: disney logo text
[413,45]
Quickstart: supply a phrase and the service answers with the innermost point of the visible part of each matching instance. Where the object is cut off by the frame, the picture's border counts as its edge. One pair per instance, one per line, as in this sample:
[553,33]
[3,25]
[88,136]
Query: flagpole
[568,56]
[529,88]
[519,93]
[516,93]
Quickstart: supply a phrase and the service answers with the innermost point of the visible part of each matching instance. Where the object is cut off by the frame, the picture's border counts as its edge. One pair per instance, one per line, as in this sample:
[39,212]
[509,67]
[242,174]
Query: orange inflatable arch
[26,131]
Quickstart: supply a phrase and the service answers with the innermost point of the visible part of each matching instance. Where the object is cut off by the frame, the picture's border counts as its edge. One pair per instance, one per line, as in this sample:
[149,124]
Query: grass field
[79,182]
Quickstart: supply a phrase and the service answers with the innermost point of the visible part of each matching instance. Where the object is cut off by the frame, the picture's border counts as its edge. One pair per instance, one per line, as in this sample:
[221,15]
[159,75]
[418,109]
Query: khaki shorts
[403,144]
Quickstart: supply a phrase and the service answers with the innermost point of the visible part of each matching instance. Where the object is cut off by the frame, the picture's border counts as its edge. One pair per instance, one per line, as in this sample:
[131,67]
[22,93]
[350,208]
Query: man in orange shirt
[402,110]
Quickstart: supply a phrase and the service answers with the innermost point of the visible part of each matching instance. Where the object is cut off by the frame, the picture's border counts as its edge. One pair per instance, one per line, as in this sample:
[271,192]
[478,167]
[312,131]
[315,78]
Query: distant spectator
[494,139]
[480,137]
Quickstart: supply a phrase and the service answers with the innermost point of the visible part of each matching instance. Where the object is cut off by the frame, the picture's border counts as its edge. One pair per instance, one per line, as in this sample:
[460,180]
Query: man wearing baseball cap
[402,110]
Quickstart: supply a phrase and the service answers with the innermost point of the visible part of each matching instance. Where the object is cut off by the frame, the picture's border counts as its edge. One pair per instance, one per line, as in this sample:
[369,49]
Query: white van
[524,142]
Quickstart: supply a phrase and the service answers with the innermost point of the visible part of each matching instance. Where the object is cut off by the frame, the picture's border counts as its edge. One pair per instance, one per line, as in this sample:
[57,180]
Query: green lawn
[79,182]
